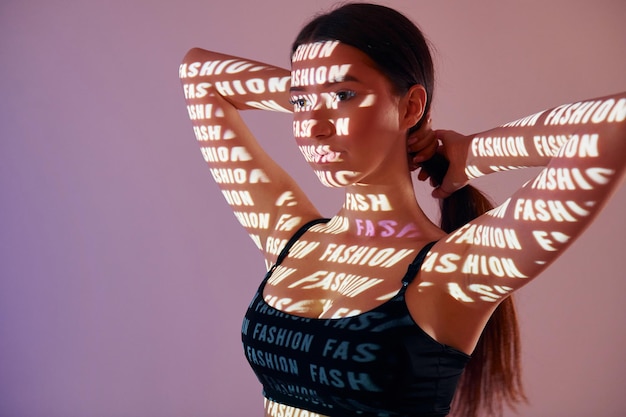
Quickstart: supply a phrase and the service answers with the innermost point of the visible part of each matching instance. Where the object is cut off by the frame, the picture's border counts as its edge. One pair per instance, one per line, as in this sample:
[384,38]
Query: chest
[327,279]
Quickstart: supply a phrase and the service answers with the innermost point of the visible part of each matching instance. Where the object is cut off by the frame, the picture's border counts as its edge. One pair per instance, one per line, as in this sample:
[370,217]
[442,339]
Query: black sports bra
[379,363]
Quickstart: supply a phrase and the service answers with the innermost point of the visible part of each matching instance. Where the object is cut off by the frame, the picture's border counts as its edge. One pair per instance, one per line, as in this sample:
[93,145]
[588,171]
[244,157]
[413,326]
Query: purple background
[123,274]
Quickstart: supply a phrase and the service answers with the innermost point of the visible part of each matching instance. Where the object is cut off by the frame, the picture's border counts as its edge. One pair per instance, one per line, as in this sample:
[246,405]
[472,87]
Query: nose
[322,128]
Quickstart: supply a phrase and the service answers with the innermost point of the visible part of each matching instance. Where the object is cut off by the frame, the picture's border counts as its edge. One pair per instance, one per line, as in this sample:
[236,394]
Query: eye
[298,102]
[344,95]
[303,102]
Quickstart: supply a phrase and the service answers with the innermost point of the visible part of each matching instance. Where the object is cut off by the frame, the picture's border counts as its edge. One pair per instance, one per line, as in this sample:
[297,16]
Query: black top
[379,363]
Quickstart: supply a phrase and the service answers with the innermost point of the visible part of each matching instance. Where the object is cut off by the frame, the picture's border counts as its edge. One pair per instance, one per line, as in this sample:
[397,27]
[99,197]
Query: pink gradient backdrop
[123,274]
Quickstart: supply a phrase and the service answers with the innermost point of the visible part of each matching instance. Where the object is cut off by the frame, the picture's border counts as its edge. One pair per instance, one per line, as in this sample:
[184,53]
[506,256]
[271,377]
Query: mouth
[320,154]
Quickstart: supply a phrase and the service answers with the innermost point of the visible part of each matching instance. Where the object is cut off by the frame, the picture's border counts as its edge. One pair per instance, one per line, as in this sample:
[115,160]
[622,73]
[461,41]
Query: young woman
[378,311]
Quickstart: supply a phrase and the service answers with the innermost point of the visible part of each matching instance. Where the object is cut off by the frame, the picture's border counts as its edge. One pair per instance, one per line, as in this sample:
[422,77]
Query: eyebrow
[345,79]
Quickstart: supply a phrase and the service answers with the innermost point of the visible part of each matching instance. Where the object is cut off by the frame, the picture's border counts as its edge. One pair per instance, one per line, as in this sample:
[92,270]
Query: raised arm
[264,198]
[583,148]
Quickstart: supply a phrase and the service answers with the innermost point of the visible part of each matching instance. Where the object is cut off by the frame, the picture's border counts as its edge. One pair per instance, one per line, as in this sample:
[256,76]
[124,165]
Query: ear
[413,105]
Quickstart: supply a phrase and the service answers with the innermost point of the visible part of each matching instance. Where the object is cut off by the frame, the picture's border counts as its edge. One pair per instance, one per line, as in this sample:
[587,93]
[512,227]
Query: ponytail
[493,376]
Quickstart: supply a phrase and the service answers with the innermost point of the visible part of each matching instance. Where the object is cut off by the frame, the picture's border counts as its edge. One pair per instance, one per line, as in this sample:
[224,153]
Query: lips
[320,154]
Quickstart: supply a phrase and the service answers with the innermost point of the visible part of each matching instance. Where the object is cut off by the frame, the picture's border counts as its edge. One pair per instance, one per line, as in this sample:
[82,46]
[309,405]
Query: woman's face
[346,117]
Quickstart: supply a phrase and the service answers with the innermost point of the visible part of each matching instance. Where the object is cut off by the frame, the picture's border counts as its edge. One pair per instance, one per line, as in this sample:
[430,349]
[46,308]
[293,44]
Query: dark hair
[399,49]
[391,40]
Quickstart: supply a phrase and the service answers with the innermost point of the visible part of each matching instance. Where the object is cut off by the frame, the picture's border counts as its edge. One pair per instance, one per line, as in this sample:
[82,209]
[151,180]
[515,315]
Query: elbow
[192,55]
[190,64]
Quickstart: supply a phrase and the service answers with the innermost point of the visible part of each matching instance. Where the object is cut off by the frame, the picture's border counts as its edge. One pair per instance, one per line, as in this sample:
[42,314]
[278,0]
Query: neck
[385,211]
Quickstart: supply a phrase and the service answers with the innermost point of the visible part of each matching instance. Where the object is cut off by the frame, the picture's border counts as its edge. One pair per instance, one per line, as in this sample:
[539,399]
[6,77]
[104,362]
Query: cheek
[302,128]
[374,121]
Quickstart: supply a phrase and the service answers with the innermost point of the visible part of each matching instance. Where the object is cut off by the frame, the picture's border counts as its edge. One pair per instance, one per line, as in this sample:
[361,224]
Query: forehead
[328,52]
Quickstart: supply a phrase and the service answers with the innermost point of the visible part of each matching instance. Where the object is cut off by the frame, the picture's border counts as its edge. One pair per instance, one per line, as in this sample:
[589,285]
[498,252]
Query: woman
[376,311]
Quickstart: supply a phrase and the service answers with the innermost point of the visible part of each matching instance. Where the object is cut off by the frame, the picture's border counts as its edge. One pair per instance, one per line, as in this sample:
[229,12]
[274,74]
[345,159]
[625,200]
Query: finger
[425,129]
[413,165]
[422,175]
[440,193]
[430,149]
[420,140]
[423,153]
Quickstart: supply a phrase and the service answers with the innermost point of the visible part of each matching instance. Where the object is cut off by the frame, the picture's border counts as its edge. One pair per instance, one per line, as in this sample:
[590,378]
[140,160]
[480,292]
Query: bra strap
[415,266]
[283,254]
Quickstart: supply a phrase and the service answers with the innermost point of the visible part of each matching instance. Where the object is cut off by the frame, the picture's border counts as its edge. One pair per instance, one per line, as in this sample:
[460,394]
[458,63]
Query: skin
[449,302]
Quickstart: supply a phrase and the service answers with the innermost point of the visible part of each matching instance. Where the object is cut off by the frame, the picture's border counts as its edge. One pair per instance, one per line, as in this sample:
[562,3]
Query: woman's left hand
[425,142]
[421,145]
